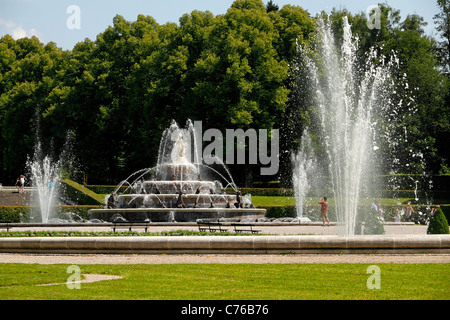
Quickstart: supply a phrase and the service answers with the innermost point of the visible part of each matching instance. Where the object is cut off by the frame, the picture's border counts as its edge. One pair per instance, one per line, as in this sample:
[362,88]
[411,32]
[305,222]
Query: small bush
[373,223]
[438,223]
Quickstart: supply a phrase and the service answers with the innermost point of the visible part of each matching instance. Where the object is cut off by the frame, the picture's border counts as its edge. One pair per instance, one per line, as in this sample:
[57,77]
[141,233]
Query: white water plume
[348,99]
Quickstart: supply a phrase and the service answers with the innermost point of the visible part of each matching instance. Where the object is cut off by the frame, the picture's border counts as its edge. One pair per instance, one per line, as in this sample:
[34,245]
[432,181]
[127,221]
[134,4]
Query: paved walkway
[10,197]
[269,229]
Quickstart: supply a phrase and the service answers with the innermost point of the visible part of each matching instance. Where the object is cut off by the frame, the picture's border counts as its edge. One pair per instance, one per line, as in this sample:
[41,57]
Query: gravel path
[223,259]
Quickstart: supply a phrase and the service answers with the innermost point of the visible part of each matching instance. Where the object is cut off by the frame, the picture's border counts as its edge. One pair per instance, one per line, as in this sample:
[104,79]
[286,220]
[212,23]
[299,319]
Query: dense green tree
[442,20]
[115,94]
[421,88]
[31,73]
[270,6]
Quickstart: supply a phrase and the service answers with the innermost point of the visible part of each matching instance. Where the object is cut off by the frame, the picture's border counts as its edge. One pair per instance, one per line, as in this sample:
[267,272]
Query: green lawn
[235,281]
[265,201]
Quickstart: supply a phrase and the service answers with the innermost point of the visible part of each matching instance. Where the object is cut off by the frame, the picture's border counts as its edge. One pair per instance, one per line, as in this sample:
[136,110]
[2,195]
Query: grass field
[262,201]
[234,282]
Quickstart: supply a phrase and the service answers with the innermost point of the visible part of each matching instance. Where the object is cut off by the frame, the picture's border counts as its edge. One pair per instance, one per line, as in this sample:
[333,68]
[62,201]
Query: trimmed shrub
[438,223]
[446,210]
[373,223]
[14,214]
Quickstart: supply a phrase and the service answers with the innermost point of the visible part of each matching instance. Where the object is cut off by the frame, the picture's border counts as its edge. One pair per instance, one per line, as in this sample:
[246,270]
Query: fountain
[348,100]
[45,174]
[304,167]
[179,188]
[45,177]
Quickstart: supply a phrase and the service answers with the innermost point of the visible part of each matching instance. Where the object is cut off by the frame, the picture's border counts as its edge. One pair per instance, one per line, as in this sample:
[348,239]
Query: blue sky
[47,18]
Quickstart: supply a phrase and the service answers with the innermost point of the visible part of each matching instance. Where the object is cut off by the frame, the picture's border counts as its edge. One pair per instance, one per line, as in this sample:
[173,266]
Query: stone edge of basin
[228,244]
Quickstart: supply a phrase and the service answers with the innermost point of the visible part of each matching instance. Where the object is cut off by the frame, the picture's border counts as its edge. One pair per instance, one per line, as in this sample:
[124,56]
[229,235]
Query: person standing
[375,205]
[434,209]
[409,212]
[20,183]
[324,210]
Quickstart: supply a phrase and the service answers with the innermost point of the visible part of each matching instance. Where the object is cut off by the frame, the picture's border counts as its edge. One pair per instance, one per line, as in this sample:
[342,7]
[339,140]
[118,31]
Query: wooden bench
[5,225]
[244,227]
[210,226]
[129,225]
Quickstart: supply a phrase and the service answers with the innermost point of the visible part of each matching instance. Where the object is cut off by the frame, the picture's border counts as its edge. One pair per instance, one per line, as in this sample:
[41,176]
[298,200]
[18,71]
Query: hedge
[280,212]
[80,194]
[104,189]
[17,214]
[421,213]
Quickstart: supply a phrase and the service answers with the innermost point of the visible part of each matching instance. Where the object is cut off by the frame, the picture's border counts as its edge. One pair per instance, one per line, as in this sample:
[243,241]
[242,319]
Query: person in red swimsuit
[324,209]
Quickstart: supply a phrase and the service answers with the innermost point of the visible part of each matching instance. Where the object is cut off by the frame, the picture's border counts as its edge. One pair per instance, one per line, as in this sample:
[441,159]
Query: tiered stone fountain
[177,189]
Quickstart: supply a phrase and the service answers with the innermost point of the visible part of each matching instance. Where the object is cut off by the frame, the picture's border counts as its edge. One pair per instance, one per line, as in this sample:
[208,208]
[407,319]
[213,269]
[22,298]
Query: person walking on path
[20,183]
[409,212]
[324,209]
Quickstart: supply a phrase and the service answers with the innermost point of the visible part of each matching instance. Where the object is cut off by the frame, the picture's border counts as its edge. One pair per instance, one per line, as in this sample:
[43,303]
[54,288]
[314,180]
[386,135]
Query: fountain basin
[230,245]
[176,214]
[173,187]
[170,200]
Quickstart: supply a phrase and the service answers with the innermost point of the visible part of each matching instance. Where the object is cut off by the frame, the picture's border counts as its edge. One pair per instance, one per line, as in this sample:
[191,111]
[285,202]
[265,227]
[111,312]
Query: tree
[270,6]
[118,92]
[442,20]
[30,83]
[421,89]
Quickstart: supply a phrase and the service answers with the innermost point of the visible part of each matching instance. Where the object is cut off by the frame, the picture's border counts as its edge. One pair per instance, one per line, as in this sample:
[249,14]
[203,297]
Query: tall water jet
[348,99]
[45,176]
[45,173]
[304,166]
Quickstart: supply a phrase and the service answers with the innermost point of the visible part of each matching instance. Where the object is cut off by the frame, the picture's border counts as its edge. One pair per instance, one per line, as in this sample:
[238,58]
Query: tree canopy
[117,93]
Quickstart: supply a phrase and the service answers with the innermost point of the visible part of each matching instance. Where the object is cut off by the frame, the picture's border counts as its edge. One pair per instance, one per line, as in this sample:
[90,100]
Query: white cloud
[17,32]
[9,24]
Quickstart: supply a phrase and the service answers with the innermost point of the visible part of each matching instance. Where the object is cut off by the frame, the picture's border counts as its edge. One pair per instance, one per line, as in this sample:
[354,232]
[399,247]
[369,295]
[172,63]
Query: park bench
[208,226]
[129,225]
[244,227]
[5,225]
